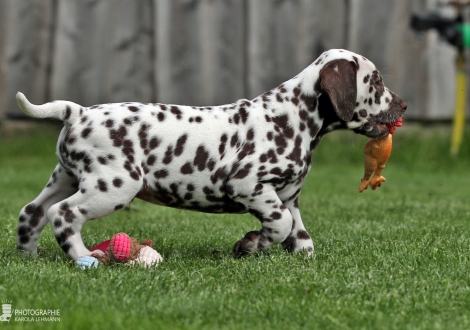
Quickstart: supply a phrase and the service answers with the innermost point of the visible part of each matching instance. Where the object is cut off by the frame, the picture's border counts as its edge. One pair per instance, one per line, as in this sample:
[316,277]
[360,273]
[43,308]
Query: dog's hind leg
[33,217]
[263,202]
[97,196]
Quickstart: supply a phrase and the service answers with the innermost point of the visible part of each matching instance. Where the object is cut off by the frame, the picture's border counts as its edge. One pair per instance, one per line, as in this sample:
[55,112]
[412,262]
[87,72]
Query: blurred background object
[456,31]
[208,52]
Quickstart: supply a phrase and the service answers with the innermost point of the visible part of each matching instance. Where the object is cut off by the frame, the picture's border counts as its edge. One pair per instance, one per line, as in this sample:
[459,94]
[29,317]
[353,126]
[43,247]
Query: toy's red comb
[393,126]
[103,246]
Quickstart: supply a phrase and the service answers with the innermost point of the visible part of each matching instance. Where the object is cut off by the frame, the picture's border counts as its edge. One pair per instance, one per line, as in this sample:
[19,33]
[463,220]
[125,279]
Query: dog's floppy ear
[338,81]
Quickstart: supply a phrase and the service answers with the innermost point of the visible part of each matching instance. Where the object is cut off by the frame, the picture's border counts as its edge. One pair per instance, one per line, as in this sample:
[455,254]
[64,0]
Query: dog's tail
[63,110]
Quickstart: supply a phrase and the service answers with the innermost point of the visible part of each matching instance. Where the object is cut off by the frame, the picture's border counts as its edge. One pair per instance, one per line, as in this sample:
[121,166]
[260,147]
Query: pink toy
[124,249]
[121,247]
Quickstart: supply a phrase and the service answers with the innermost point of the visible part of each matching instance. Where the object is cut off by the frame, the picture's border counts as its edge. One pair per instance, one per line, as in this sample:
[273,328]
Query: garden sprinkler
[457,32]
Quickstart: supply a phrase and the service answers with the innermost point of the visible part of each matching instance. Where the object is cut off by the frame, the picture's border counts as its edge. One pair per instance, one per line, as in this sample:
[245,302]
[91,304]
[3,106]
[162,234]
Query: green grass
[395,258]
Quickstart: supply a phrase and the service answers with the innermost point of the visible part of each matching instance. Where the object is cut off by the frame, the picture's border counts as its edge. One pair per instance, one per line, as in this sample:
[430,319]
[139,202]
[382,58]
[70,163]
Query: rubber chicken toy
[377,151]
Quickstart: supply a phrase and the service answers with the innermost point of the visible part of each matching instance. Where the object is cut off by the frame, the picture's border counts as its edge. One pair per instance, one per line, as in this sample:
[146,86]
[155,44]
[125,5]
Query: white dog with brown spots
[248,156]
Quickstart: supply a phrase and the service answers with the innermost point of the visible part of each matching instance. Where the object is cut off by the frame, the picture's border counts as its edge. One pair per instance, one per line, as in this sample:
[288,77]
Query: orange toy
[377,152]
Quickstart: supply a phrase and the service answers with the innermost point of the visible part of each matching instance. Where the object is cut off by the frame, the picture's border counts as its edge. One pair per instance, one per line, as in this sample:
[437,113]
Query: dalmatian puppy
[248,156]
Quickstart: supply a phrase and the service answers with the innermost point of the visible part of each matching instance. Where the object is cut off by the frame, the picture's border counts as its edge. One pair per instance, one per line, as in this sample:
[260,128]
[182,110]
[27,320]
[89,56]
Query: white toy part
[147,257]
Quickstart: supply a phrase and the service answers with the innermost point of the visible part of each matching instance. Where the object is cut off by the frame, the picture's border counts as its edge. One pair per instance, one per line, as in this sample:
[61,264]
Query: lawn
[394,258]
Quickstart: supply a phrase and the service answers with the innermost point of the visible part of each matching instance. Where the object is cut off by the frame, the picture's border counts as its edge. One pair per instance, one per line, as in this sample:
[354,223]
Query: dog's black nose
[403,105]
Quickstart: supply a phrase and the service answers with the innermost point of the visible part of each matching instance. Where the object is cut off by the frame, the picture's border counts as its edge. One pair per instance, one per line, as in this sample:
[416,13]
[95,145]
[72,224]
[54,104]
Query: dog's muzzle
[385,122]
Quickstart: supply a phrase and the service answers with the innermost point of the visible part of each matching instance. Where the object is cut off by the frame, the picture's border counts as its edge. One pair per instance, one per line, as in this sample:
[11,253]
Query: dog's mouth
[386,121]
[390,126]
[379,128]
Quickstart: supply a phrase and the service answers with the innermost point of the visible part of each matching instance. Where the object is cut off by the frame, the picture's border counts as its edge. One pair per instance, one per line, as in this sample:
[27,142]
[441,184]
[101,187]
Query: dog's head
[353,87]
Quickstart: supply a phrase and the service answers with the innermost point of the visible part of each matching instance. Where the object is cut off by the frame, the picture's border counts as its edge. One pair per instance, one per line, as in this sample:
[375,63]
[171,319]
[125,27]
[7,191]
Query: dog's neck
[310,112]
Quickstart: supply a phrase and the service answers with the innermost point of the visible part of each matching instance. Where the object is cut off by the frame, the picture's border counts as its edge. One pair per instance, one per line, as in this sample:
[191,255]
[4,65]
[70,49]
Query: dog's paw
[294,245]
[307,249]
[242,248]
[252,242]
[23,253]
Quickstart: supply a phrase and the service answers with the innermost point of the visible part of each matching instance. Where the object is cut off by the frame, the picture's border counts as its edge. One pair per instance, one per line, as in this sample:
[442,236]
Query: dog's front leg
[263,202]
[298,240]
